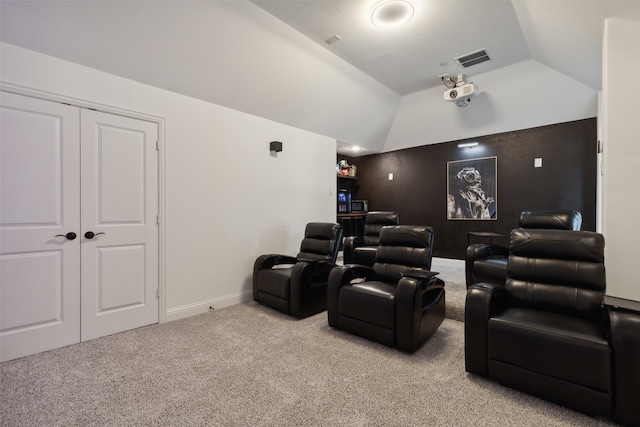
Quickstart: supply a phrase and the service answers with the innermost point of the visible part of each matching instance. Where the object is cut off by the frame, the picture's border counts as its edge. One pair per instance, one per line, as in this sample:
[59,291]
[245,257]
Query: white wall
[228,199]
[621,156]
[521,96]
[247,59]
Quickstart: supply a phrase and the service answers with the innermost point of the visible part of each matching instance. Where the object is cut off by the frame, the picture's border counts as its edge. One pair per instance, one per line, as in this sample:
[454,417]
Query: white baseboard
[203,306]
[622,303]
[225,301]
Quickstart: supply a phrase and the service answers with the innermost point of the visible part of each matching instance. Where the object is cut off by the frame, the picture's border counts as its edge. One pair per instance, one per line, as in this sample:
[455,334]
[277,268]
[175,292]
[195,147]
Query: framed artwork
[472,189]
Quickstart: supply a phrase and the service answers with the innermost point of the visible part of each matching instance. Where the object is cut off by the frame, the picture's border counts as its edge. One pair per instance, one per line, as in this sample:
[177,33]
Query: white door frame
[160,121]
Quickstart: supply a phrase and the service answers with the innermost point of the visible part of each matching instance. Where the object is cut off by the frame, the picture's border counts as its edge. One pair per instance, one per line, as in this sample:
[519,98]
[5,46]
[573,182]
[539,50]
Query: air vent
[333,39]
[473,58]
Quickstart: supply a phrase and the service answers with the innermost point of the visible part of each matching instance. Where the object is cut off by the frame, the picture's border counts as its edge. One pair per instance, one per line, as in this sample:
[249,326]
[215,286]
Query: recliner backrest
[559,220]
[403,248]
[321,242]
[557,270]
[374,223]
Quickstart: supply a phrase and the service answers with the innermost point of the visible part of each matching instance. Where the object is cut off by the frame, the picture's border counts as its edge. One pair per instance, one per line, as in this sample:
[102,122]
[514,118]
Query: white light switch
[390,176]
[537,162]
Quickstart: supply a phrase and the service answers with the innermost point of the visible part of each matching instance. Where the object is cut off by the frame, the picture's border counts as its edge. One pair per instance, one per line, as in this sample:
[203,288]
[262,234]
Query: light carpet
[248,365]
[452,273]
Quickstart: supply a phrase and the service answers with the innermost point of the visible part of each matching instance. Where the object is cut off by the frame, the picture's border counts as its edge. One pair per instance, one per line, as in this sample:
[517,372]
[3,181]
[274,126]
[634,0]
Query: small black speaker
[275,146]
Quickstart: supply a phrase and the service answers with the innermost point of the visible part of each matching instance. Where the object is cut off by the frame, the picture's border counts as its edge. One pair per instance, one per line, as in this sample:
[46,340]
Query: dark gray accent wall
[566,180]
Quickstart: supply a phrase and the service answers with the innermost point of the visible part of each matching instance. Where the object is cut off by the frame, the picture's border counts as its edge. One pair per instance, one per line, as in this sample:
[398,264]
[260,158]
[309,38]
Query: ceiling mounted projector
[462,94]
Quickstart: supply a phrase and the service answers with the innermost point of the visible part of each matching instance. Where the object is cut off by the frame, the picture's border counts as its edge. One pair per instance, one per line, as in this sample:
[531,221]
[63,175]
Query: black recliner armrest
[340,276]
[311,269]
[426,279]
[347,273]
[483,300]
[308,276]
[313,260]
[348,246]
[484,251]
[625,342]
[416,290]
[478,251]
[267,261]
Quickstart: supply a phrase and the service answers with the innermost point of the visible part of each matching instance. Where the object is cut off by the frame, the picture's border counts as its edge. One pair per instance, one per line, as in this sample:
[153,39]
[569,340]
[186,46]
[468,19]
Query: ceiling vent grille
[473,58]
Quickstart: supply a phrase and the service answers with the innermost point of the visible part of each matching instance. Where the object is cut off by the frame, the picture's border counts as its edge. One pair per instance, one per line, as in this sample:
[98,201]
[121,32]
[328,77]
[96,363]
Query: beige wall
[521,96]
[621,158]
[228,199]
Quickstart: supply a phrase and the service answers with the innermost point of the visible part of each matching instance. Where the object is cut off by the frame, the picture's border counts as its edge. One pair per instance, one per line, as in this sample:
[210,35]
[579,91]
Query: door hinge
[158,293]
[158,145]
[158,219]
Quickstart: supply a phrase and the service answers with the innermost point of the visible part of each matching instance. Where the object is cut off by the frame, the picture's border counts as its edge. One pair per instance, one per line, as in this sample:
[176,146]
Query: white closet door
[65,173]
[120,206]
[39,205]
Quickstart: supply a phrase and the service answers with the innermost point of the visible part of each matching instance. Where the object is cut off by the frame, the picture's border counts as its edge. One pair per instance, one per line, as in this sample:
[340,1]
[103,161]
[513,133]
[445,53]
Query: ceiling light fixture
[392,13]
[355,148]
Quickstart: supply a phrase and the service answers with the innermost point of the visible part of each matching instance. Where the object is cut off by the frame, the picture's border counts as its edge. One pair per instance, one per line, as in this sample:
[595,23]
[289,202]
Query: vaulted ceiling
[210,49]
[564,34]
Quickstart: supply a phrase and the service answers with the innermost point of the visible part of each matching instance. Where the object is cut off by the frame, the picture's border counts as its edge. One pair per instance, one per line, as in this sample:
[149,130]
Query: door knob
[91,234]
[70,235]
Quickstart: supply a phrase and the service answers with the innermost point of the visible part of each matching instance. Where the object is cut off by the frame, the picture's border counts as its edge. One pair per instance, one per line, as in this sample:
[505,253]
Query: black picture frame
[472,189]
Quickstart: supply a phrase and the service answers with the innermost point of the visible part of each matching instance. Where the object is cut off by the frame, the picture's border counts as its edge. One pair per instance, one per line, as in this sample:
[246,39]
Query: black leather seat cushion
[371,302]
[276,282]
[368,310]
[552,344]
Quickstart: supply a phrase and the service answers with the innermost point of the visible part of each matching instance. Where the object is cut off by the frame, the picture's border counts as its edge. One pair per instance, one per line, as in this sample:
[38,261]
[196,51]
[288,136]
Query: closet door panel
[120,158]
[39,226]
[78,225]
[120,207]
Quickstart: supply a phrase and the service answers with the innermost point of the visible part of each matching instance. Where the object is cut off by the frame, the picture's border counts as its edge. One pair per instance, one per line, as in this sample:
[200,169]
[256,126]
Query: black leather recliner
[488,263]
[397,302]
[362,250]
[298,286]
[547,332]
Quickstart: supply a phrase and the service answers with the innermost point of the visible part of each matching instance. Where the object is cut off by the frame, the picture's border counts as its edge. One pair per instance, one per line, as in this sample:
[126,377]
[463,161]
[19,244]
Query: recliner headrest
[385,218]
[568,245]
[321,241]
[374,223]
[413,236]
[321,230]
[403,248]
[559,220]
[557,270]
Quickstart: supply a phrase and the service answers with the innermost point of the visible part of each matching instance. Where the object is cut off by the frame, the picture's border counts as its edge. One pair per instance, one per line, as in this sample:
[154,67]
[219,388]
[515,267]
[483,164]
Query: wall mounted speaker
[275,146]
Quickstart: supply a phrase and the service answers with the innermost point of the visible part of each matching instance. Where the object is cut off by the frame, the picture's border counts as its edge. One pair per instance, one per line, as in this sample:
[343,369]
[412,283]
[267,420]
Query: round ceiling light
[392,13]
